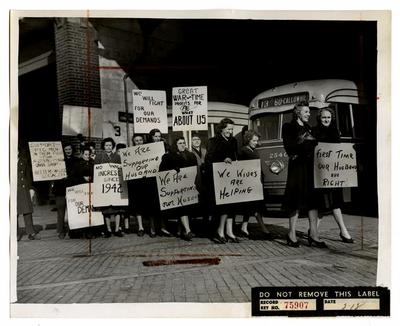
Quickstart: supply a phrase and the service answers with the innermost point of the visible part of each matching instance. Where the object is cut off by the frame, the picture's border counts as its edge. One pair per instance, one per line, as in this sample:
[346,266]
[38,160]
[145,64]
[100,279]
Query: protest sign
[189,108]
[81,120]
[108,186]
[237,182]
[150,111]
[177,189]
[141,161]
[80,209]
[335,166]
[47,161]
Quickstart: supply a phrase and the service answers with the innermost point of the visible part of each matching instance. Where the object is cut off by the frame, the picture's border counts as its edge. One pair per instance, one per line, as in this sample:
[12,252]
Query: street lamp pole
[126,110]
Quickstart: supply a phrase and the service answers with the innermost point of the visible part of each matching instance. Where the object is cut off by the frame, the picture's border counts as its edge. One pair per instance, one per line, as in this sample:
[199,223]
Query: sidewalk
[122,270]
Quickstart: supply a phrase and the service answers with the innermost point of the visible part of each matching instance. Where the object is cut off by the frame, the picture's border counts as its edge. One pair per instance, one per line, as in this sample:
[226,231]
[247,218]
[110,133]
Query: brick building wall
[77,60]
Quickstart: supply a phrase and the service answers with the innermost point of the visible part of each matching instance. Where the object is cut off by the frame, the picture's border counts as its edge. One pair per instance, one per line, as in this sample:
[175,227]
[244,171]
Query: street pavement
[127,270]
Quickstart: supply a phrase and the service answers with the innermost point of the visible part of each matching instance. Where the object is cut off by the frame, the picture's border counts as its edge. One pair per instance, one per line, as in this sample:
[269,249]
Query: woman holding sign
[153,208]
[249,152]
[222,148]
[137,198]
[299,193]
[107,156]
[331,198]
[179,157]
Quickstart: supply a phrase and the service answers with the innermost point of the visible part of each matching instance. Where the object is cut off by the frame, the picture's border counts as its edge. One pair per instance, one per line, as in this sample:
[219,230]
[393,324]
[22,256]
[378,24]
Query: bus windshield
[267,126]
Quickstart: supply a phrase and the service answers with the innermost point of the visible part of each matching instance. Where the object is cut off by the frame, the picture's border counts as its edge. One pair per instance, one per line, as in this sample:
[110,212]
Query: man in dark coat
[25,194]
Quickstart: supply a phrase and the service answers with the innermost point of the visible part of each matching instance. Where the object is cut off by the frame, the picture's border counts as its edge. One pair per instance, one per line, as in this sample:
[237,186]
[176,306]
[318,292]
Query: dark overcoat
[219,148]
[251,207]
[60,185]
[299,145]
[24,184]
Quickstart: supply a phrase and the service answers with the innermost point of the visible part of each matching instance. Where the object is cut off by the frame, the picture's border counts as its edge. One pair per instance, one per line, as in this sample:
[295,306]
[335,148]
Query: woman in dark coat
[222,148]
[60,186]
[82,173]
[330,198]
[25,193]
[137,197]
[107,156]
[253,208]
[179,157]
[143,195]
[299,193]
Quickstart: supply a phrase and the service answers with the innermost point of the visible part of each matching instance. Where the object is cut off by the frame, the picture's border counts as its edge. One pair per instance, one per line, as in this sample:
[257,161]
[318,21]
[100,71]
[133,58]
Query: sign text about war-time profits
[80,209]
[335,165]
[141,161]
[177,189]
[47,161]
[189,108]
[149,111]
[108,187]
[237,182]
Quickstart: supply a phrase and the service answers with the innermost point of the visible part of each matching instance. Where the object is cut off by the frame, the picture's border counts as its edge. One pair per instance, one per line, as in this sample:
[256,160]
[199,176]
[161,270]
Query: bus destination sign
[281,100]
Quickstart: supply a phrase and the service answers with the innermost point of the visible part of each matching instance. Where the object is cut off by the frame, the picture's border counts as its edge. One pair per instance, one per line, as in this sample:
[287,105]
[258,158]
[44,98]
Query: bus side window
[344,119]
[360,120]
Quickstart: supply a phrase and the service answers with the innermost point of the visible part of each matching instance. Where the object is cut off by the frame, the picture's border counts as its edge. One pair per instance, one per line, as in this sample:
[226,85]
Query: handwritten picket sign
[237,182]
[149,111]
[80,208]
[47,161]
[335,166]
[109,189]
[177,189]
[189,108]
[141,161]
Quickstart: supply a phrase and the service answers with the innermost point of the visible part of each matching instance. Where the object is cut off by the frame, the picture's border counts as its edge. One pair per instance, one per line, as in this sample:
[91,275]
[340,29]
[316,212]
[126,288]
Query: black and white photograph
[191,158]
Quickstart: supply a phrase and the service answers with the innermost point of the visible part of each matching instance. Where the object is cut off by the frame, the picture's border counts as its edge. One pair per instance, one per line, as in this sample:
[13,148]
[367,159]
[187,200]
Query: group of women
[300,195]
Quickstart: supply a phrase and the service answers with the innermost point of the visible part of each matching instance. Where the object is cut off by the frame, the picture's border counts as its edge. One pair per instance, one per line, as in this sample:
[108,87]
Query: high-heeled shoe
[346,240]
[187,236]
[165,233]
[244,234]
[232,239]
[291,243]
[218,239]
[152,233]
[318,244]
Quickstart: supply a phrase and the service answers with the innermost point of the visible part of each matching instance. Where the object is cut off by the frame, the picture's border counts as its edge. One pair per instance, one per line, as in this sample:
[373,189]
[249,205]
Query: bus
[271,109]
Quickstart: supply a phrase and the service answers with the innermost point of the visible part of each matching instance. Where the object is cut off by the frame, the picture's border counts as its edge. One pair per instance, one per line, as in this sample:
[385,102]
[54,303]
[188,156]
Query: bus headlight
[276,167]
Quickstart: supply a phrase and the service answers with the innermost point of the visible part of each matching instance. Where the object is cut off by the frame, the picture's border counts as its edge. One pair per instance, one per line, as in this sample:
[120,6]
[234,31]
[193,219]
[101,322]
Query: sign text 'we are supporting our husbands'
[189,108]
[108,187]
[80,209]
[237,182]
[335,165]
[141,161]
[149,111]
[47,161]
[177,189]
